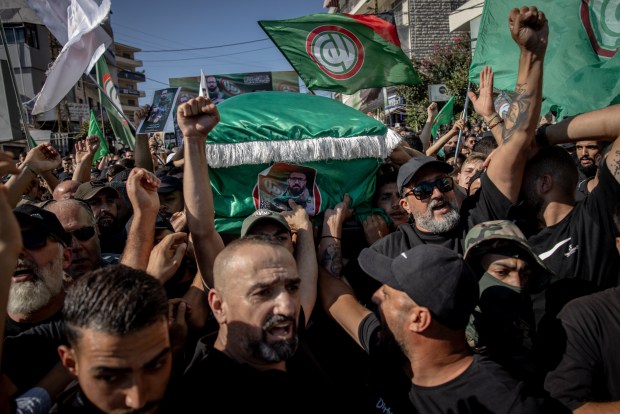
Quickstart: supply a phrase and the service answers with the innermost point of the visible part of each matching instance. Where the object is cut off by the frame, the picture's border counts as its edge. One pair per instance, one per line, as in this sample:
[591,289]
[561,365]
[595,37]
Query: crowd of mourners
[487,282]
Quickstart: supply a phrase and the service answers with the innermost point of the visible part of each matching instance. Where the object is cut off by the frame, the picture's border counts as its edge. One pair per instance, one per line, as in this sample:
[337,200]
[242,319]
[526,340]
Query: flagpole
[14,83]
[120,111]
[464,118]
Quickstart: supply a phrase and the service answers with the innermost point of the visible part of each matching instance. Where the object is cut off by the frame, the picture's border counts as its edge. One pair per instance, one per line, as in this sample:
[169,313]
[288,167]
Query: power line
[204,48]
[209,57]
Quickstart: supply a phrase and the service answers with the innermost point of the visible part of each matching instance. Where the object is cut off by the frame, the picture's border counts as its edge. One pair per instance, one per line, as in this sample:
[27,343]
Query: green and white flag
[119,124]
[444,116]
[94,129]
[342,52]
[582,66]
[273,146]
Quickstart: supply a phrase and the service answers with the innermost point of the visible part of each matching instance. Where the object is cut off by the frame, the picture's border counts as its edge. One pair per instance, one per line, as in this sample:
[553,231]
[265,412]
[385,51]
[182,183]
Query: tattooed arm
[330,244]
[529,30]
[600,125]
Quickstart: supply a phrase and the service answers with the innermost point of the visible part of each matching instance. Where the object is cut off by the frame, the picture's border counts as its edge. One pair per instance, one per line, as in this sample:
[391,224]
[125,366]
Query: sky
[183,24]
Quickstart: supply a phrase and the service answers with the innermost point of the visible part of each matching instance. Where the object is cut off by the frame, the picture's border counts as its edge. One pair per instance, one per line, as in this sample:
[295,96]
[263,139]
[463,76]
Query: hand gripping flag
[582,64]
[270,147]
[94,129]
[342,52]
[119,124]
[85,42]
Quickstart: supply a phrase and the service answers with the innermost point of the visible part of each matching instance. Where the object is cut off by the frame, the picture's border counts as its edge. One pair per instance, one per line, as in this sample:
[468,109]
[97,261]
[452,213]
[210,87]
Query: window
[131,102]
[26,33]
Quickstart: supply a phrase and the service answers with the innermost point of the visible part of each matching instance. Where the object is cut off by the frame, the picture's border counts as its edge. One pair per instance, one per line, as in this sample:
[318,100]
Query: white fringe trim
[295,151]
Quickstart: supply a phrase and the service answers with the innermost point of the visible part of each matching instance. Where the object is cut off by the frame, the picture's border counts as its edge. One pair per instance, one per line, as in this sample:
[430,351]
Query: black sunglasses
[424,190]
[36,239]
[84,233]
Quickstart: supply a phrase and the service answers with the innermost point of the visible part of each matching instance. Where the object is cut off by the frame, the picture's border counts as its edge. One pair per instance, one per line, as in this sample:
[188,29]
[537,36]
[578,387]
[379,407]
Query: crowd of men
[486,283]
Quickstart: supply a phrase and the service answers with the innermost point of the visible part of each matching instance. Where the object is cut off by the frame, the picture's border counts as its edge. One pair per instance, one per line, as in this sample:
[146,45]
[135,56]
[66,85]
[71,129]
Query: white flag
[86,42]
[203,86]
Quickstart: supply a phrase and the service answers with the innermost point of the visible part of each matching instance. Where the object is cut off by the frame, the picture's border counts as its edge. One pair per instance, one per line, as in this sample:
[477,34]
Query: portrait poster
[282,182]
[159,118]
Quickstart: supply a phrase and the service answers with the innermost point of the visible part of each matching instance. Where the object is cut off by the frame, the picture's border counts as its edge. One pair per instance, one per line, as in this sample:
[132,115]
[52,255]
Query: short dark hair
[485,145]
[128,163]
[558,163]
[115,299]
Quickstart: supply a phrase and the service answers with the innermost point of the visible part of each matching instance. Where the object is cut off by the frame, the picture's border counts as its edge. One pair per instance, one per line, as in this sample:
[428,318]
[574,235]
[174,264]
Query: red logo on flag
[602,26]
[336,51]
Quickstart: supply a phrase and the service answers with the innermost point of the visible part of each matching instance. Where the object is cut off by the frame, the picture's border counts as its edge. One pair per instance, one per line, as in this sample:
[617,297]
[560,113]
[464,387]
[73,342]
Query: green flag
[93,129]
[582,66]
[273,146]
[121,128]
[342,52]
[444,116]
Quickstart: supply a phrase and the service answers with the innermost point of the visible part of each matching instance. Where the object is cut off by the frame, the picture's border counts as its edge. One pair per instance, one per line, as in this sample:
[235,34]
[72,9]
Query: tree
[448,64]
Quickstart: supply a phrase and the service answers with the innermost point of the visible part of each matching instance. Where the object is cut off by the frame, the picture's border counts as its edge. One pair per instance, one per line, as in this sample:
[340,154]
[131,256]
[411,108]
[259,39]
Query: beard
[106,221]
[297,190]
[588,170]
[32,295]
[277,351]
[449,220]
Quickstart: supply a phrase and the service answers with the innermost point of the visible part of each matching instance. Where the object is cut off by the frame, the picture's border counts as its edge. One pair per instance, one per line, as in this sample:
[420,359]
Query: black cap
[411,167]
[170,184]
[29,214]
[432,276]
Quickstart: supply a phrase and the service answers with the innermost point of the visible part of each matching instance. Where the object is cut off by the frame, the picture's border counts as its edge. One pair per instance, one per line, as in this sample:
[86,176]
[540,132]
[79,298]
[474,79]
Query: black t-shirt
[590,367]
[487,204]
[28,355]
[582,245]
[484,387]
[232,387]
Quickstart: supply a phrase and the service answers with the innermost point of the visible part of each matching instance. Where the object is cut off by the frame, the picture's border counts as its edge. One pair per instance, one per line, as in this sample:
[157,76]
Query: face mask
[487,280]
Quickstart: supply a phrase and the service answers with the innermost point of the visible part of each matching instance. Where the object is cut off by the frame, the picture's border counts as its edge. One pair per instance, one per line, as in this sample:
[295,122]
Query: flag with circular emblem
[342,52]
[582,63]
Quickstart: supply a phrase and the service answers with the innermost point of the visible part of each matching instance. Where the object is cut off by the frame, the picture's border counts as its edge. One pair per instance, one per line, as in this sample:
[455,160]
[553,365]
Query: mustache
[274,320]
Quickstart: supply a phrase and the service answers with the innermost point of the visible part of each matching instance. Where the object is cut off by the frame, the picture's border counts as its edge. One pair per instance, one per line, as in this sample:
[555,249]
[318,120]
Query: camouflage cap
[481,239]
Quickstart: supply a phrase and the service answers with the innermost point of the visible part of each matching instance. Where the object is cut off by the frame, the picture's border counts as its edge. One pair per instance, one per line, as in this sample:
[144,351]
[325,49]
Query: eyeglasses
[424,190]
[84,233]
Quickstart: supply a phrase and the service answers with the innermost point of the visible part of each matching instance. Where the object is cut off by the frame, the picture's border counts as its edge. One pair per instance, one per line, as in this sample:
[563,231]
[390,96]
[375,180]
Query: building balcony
[125,62]
[125,91]
[129,75]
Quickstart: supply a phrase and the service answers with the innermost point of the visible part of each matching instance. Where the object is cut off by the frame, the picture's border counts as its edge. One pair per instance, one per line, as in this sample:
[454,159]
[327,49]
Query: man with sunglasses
[77,219]
[36,297]
[426,188]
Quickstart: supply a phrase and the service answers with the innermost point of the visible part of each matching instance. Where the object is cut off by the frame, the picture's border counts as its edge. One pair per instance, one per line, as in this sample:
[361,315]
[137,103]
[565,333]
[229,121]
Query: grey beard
[28,297]
[427,220]
[274,351]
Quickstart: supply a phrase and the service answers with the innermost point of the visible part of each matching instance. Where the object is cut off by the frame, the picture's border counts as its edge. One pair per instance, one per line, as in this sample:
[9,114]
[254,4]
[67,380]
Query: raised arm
[142,192]
[336,296]
[600,125]
[142,151]
[305,255]
[458,125]
[530,31]
[483,104]
[88,148]
[10,239]
[39,160]
[197,118]
[425,135]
